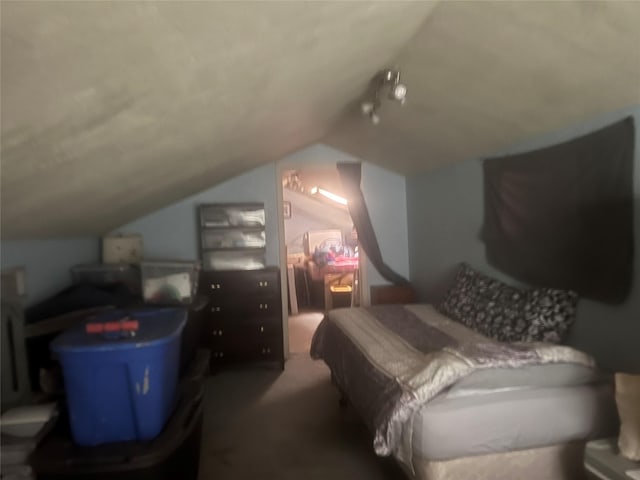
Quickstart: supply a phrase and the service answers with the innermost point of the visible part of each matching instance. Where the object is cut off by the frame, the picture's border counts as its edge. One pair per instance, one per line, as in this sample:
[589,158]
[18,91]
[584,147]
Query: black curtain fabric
[350,176]
[562,216]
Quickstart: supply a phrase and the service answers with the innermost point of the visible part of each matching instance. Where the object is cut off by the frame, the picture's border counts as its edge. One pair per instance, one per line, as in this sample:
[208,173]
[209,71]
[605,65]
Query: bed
[449,402]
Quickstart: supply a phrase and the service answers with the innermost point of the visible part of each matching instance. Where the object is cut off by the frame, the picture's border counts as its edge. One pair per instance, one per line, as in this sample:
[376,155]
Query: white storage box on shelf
[169,282]
[122,249]
[232,236]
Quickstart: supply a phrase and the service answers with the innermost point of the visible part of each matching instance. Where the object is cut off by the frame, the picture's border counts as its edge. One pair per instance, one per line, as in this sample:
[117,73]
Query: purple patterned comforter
[390,360]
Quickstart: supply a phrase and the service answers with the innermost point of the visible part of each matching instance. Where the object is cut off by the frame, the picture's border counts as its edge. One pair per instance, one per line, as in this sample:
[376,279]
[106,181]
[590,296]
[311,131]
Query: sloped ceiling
[482,76]
[114,109]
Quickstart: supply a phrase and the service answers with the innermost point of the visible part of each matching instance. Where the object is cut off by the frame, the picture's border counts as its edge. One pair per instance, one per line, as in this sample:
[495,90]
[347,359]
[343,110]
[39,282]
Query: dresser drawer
[247,332]
[230,352]
[251,307]
[247,283]
[226,355]
[243,316]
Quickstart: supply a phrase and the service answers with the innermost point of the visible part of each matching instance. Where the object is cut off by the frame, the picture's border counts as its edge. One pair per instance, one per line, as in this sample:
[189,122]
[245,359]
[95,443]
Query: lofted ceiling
[111,110]
[482,76]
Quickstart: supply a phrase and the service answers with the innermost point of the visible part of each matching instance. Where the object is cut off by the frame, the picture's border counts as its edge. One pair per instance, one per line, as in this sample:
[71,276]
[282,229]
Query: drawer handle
[215,286]
[215,309]
[264,306]
[266,350]
[263,283]
[217,332]
[261,328]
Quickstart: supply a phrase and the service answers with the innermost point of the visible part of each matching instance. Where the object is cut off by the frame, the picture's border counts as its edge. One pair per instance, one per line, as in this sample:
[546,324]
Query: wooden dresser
[244,315]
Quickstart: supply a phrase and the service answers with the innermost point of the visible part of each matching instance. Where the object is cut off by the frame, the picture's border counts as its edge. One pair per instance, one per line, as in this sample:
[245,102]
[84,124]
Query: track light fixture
[385,80]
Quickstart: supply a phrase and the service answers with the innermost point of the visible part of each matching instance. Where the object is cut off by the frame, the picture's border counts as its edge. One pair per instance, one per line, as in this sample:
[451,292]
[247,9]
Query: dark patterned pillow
[506,313]
[549,313]
[485,305]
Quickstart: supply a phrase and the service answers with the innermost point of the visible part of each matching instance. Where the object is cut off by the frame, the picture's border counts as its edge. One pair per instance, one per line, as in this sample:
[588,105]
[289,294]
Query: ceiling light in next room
[328,194]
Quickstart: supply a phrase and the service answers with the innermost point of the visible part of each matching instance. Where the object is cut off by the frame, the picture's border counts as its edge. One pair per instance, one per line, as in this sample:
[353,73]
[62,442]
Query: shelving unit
[232,236]
[243,320]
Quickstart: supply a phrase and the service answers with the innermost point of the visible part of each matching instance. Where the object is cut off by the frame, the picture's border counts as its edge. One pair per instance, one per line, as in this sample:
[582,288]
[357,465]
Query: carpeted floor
[301,328]
[262,423]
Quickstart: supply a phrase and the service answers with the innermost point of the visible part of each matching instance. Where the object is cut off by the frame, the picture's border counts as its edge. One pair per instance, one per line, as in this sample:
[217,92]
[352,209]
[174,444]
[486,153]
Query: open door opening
[321,248]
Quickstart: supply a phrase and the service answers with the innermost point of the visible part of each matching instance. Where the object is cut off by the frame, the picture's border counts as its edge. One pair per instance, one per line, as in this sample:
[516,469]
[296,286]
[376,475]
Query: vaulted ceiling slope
[113,109]
[482,76]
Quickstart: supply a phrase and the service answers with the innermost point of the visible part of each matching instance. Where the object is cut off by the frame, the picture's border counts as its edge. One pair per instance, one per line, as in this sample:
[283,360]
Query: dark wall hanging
[562,216]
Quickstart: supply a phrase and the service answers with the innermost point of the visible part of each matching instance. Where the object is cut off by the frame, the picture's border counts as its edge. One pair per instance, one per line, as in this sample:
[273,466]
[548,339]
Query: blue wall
[47,262]
[171,232]
[445,211]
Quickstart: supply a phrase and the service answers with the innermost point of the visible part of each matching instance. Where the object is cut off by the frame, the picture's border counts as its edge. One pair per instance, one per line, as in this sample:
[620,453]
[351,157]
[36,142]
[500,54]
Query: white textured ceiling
[113,109]
[483,75]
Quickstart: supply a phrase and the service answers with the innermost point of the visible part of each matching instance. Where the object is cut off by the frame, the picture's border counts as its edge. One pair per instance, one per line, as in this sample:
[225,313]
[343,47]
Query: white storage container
[169,282]
[122,249]
[247,259]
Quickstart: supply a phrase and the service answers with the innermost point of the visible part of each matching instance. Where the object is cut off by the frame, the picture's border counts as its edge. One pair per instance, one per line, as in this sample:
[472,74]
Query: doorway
[319,247]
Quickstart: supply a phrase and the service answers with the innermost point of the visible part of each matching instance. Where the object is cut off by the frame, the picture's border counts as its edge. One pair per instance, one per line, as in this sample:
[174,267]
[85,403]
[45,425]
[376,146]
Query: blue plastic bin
[121,389]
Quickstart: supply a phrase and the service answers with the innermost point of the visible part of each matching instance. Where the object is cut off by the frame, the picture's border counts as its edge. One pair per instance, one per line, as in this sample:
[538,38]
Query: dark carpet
[262,423]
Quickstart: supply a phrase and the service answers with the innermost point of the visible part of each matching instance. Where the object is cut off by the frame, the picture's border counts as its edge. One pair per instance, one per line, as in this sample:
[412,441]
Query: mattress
[512,419]
[427,385]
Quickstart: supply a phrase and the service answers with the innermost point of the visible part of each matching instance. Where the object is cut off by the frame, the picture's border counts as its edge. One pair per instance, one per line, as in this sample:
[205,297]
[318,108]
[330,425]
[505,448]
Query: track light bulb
[367,108]
[386,84]
[399,92]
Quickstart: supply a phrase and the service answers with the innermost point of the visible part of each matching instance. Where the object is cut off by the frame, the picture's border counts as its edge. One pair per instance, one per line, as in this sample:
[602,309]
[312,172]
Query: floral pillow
[507,313]
[485,305]
[549,314]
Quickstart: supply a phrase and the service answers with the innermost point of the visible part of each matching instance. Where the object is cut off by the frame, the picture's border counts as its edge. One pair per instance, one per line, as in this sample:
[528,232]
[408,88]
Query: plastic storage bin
[121,388]
[169,282]
[234,238]
[340,295]
[248,259]
[108,275]
[232,215]
[122,249]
